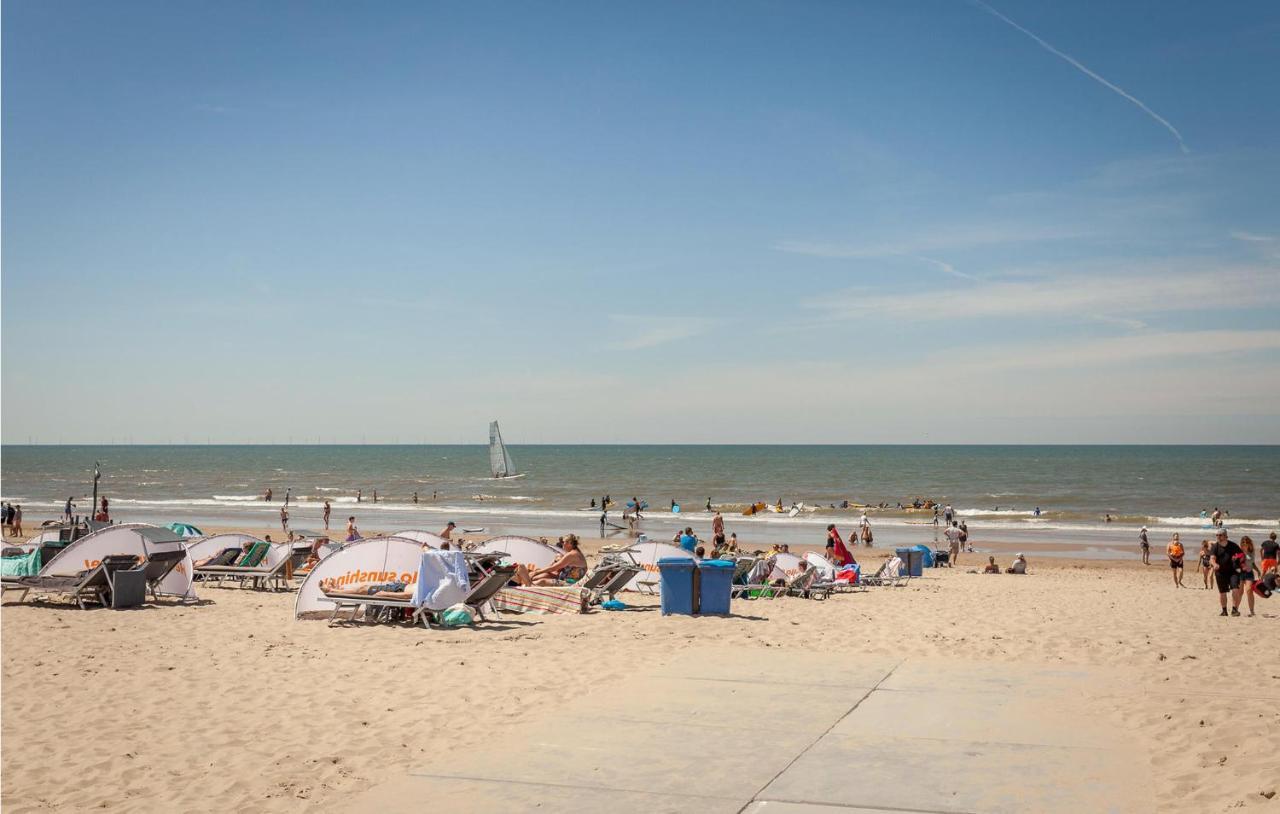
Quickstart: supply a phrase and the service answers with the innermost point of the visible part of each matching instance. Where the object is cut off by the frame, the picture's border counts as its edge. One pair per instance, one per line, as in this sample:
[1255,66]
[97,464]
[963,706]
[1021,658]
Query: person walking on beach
[837,553]
[375,495]
[1145,544]
[284,519]
[1270,550]
[267,496]
[1223,555]
[327,510]
[1247,573]
[16,525]
[953,542]
[947,514]
[68,509]
[1206,563]
[415,498]
[709,504]
[359,495]
[717,531]
[1176,554]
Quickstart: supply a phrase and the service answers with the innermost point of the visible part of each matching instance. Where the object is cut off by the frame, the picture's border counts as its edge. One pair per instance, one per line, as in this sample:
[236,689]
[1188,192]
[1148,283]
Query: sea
[1040,496]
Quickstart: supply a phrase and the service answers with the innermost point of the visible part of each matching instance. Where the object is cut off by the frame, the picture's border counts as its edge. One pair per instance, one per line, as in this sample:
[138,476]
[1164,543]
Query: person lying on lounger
[569,565]
[382,590]
[226,556]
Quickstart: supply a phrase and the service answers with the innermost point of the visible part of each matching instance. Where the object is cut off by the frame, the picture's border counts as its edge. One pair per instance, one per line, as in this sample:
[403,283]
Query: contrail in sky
[1076,64]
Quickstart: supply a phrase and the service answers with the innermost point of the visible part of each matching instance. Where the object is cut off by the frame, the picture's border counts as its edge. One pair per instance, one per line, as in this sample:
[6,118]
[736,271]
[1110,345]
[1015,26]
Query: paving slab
[802,733]
[960,776]
[995,677]
[774,807]
[808,708]
[1013,716]
[470,796]
[782,666]
[586,750]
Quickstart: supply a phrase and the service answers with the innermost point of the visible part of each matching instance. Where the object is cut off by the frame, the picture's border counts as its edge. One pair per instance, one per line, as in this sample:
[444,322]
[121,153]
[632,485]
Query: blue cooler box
[675,576]
[716,578]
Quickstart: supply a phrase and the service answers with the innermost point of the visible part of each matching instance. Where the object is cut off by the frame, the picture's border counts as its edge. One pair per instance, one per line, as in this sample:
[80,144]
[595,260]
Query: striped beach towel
[542,599]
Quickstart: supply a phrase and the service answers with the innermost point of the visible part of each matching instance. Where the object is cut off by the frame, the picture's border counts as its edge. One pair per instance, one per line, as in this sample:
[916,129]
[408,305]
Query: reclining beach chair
[604,583]
[249,571]
[91,585]
[376,608]
[483,591]
[158,566]
[756,583]
[889,574]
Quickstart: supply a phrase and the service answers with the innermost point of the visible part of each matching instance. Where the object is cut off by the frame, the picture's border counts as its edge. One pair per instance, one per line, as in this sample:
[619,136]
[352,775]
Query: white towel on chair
[442,580]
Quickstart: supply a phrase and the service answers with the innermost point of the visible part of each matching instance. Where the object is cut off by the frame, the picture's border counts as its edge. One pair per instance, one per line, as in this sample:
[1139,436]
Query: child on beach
[1206,563]
[1176,553]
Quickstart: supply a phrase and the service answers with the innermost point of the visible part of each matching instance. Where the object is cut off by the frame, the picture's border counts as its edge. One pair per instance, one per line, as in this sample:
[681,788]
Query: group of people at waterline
[1235,569]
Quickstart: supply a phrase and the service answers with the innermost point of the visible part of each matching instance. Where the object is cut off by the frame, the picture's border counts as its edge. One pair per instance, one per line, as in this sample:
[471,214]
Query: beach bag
[613,604]
[458,616]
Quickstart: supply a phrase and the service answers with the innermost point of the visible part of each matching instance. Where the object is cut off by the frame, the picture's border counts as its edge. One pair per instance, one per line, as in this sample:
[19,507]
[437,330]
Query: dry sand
[233,704]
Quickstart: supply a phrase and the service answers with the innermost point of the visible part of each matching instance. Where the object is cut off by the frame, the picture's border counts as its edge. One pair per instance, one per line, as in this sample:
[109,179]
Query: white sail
[500,463]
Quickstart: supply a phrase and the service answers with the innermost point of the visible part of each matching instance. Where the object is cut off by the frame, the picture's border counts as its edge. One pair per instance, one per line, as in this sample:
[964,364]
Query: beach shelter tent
[785,566]
[825,569]
[525,550]
[49,535]
[185,530]
[647,555]
[427,538]
[201,547]
[125,538]
[375,559]
[926,554]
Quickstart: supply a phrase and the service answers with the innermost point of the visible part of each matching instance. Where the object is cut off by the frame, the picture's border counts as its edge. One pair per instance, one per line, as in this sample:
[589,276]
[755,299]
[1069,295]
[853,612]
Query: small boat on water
[500,464]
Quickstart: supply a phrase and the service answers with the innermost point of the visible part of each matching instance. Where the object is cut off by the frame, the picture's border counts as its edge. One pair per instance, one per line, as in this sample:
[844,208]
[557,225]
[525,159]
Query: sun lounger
[889,574]
[607,579]
[255,575]
[91,585]
[382,607]
[158,566]
[376,608]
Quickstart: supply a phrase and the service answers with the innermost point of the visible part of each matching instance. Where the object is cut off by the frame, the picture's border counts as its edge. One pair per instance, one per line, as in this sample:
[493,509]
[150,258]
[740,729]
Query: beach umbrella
[185,530]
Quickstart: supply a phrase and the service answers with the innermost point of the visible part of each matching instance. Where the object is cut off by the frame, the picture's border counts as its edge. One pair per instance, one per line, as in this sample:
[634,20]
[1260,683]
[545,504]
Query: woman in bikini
[571,565]
[1206,563]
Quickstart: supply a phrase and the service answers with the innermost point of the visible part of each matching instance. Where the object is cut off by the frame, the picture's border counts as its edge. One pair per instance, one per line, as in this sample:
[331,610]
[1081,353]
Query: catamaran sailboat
[500,463]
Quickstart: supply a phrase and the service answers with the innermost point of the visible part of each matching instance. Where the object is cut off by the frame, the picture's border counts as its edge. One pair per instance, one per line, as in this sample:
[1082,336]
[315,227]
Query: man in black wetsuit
[1225,556]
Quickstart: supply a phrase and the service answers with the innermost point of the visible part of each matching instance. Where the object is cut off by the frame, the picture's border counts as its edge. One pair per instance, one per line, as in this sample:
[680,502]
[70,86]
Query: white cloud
[1091,295]
[960,236]
[1250,237]
[1119,350]
[651,331]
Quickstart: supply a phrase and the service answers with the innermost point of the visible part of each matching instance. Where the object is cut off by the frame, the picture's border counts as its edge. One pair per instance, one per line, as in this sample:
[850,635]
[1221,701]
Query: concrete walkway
[801,733]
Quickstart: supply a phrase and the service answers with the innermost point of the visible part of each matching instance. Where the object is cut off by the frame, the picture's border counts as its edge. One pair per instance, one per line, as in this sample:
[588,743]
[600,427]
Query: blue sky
[600,222]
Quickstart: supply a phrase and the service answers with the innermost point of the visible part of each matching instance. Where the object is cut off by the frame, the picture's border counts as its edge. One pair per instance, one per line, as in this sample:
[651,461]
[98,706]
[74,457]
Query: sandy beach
[233,704]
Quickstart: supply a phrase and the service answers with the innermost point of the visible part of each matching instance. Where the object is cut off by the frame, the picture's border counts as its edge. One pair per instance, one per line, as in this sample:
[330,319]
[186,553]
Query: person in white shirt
[953,542]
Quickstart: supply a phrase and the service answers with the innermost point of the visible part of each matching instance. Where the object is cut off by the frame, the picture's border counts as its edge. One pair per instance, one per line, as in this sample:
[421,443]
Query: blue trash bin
[912,561]
[675,575]
[715,579]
